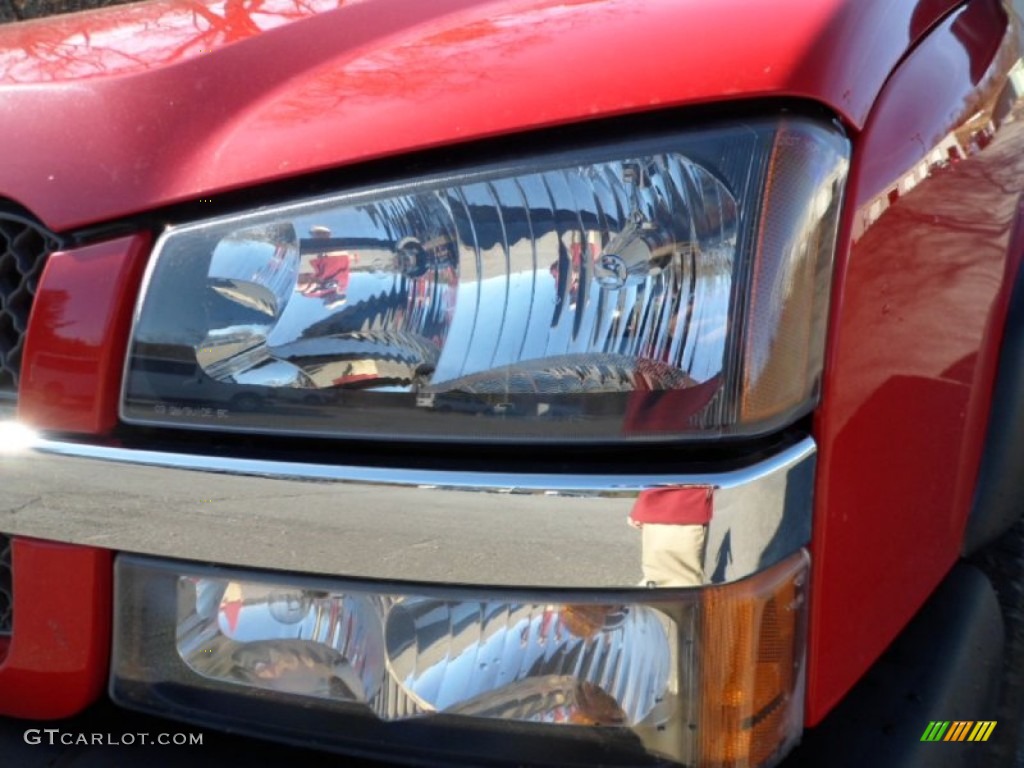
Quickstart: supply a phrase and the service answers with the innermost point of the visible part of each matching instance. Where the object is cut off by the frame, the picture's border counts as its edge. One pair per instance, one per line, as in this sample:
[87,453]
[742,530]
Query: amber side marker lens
[752,650]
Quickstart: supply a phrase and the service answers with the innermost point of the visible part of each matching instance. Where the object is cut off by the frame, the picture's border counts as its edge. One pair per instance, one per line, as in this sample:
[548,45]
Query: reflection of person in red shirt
[332,271]
[673,522]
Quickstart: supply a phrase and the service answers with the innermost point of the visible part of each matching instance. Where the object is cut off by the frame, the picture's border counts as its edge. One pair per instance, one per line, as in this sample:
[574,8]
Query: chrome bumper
[523,530]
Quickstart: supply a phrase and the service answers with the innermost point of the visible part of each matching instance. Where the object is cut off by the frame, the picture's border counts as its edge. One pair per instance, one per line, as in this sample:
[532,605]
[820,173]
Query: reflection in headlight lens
[544,663]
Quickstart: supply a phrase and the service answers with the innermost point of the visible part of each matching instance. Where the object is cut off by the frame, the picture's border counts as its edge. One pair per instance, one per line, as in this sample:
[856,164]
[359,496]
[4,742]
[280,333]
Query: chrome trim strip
[453,527]
[488,482]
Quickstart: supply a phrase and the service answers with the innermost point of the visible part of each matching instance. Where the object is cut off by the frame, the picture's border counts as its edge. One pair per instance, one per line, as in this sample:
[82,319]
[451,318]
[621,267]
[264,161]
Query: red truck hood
[114,112]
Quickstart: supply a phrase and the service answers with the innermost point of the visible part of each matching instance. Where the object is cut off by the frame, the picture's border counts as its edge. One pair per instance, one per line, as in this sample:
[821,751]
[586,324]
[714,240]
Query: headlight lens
[584,664]
[670,287]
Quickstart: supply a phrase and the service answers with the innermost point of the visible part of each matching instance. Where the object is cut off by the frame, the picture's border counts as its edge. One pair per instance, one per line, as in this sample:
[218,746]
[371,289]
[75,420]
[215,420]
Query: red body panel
[917,313]
[380,78]
[74,352]
[56,663]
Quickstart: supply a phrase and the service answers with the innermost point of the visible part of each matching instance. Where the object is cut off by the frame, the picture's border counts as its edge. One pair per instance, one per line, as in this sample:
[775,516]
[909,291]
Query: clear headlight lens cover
[668,287]
[584,664]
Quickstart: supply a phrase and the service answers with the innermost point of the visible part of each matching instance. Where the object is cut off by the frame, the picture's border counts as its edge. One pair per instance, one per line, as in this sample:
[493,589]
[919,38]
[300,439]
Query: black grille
[6,585]
[24,248]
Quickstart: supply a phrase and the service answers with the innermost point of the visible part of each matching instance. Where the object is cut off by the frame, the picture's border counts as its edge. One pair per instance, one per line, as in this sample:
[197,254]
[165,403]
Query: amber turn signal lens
[752,640]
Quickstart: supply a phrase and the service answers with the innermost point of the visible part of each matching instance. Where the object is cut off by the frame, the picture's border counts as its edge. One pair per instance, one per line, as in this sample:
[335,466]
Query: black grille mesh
[24,248]
[6,584]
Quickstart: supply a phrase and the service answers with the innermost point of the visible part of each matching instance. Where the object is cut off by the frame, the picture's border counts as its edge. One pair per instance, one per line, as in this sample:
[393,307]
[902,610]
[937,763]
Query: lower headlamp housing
[703,676]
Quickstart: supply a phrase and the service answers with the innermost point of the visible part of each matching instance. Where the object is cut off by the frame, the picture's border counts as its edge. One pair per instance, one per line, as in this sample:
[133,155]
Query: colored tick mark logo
[958,730]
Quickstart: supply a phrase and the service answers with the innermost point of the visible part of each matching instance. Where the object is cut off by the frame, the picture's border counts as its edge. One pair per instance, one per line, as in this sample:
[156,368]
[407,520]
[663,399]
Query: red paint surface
[77,336]
[56,664]
[110,113]
[917,317]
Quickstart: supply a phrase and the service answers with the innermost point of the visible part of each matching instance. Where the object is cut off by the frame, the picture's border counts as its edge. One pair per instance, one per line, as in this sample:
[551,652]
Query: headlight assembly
[710,676]
[670,287]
